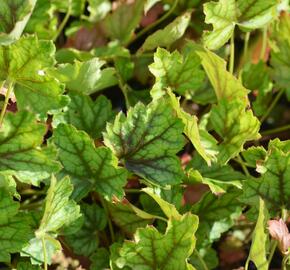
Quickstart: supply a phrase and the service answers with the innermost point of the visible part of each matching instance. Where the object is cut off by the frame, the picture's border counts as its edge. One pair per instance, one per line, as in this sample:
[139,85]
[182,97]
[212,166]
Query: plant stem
[124,88]
[7,96]
[274,244]
[111,229]
[152,25]
[232,54]
[275,130]
[246,45]
[201,260]
[133,190]
[64,21]
[264,44]
[247,264]
[284,262]
[244,167]
[44,253]
[271,107]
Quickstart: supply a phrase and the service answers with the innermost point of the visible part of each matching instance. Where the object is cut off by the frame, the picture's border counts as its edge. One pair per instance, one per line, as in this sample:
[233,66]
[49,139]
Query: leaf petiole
[7,96]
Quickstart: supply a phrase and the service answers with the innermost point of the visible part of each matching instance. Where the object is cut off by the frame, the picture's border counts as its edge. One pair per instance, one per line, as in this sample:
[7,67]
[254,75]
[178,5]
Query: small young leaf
[153,250]
[24,64]
[147,140]
[76,6]
[90,168]
[85,114]
[14,15]
[165,37]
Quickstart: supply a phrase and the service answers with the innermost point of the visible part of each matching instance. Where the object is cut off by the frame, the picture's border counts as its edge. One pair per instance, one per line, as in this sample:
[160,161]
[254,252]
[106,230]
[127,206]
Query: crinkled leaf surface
[86,240]
[235,125]
[154,250]
[14,15]
[165,37]
[258,251]
[59,211]
[216,215]
[20,153]
[180,72]
[15,231]
[274,185]
[224,15]
[122,22]
[90,168]
[24,64]
[191,130]
[85,77]
[148,140]
[85,114]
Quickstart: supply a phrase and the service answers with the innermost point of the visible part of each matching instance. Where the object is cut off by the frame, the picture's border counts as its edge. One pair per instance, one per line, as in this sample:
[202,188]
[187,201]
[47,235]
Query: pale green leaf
[24,64]
[85,114]
[180,72]
[154,250]
[15,231]
[85,77]
[14,15]
[90,167]
[148,140]
[20,153]
[98,9]
[258,251]
[165,37]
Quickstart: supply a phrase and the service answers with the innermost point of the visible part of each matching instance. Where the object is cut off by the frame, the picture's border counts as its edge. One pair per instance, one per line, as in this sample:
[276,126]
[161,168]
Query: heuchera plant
[144,134]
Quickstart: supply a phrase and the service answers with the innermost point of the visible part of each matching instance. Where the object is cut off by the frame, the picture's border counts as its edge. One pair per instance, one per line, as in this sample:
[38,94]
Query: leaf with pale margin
[258,251]
[165,37]
[24,63]
[226,85]
[181,73]
[235,125]
[224,15]
[15,230]
[89,167]
[154,250]
[216,215]
[59,211]
[192,131]
[274,185]
[20,153]
[85,114]
[14,15]
[122,22]
[126,218]
[148,140]
[85,77]
[86,240]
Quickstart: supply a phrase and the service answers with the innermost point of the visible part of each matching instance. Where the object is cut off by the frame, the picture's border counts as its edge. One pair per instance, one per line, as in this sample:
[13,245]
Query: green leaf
[15,231]
[216,215]
[86,240]
[90,168]
[224,83]
[59,211]
[100,259]
[20,153]
[179,72]
[147,140]
[165,37]
[218,177]
[76,6]
[235,125]
[42,22]
[98,9]
[280,53]
[253,155]
[126,218]
[191,130]
[85,77]
[224,15]
[14,15]
[85,114]
[258,251]
[27,266]
[273,186]
[122,22]
[153,250]
[24,64]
